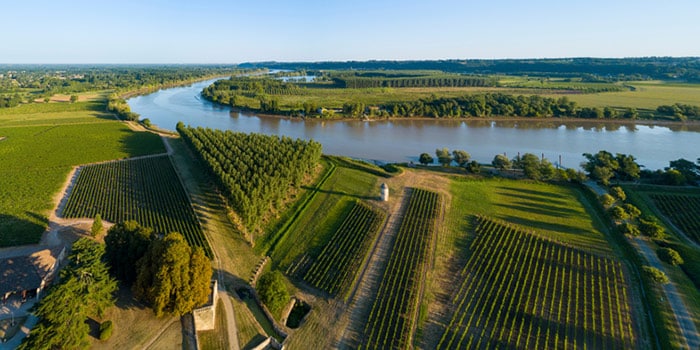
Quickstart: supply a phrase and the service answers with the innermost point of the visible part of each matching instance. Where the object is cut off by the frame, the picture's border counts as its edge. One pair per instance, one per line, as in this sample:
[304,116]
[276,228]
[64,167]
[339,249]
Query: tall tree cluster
[166,272]
[85,289]
[255,171]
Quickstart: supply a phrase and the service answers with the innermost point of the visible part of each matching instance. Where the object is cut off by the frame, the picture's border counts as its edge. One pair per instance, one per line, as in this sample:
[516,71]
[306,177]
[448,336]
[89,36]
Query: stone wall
[205,316]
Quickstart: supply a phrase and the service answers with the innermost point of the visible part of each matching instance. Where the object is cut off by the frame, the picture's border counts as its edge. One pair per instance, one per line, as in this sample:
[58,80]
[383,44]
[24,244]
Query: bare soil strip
[371,277]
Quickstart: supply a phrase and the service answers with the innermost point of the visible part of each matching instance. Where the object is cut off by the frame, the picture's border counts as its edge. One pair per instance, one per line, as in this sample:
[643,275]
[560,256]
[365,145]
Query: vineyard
[255,171]
[336,267]
[393,312]
[147,190]
[682,210]
[521,291]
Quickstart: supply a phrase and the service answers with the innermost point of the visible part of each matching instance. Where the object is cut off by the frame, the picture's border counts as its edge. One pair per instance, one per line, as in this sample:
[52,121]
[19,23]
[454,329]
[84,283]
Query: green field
[580,300]
[37,158]
[393,316]
[312,230]
[147,190]
[647,95]
[552,210]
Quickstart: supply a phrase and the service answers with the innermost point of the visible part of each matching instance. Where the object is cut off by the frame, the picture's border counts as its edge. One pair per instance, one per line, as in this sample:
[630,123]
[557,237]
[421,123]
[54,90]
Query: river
[404,140]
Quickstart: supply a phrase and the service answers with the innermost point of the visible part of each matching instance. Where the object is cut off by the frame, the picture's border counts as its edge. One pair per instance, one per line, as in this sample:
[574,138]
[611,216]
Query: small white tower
[385,192]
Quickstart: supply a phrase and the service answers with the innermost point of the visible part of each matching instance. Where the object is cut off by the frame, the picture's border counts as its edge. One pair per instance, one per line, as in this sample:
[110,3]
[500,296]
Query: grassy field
[643,95]
[553,211]
[40,148]
[321,218]
[216,339]
[646,95]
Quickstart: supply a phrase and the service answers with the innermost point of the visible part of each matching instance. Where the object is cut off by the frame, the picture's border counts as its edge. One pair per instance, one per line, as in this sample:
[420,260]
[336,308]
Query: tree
[618,193]
[628,229]
[85,289]
[425,159]
[96,225]
[689,170]
[618,213]
[669,256]
[125,244]
[444,157]
[655,274]
[172,277]
[651,228]
[600,166]
[530,164]
[73,98]
[272,290]
[474,167]
[501,162]
[631,210]
[628,168]
[461,157]
[606,200]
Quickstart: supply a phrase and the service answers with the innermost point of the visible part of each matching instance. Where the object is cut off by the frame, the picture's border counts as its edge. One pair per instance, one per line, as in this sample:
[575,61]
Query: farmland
[255,170]
[41,146]
[392,319]
[683,211]
[336,267]
[582,299]
[146,190]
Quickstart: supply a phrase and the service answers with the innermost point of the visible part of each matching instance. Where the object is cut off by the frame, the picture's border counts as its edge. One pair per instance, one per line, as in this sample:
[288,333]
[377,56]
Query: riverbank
[489,119]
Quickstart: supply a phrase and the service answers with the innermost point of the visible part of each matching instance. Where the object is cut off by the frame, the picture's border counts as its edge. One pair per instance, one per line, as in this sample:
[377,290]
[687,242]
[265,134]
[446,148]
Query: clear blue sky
[221,31]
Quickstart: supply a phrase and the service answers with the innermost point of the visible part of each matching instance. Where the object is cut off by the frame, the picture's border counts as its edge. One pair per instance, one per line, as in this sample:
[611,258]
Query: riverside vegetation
[449,212]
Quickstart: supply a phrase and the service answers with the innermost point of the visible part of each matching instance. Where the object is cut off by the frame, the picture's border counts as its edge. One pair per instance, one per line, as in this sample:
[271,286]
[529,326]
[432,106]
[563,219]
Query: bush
[655,274]
[106,330]
[474,167]
[272,290]
[618,213]
[606,200]
[618,193]
[651,228]
[628,229]
[669,256]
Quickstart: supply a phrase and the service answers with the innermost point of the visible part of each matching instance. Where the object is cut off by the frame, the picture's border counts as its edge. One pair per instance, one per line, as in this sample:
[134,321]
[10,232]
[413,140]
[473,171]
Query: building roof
[26,272]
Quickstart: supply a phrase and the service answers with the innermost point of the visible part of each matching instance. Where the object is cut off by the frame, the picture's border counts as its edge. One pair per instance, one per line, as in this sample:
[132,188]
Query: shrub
[618,213]
[655,274]
[618,193]
[606,200]
[651,228]
[628,229]
[669,256]
[272,290]
[106,330]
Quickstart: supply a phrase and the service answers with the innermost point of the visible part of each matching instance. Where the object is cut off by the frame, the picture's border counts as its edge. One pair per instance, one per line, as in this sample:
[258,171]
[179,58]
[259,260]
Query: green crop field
[552,210]
[682,210]
[646,95]
[335,268]
[518,290]
[36,159]
[147,190]
[393,315]
[312,230]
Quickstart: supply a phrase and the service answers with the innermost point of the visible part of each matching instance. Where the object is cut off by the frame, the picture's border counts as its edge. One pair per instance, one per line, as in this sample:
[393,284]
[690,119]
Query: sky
[233,31]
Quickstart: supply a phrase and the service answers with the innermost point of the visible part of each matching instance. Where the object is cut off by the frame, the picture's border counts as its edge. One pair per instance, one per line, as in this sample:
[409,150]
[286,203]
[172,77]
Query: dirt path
[680,311]
[371,276]
[211,223]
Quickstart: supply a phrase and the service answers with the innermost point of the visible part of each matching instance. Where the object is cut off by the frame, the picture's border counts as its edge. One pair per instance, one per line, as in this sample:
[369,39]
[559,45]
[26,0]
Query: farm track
[371,276]
[680,311]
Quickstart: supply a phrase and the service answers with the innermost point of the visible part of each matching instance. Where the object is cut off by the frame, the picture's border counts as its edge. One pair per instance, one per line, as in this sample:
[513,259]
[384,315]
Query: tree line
[602,166]
[610,69]
[255,171]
